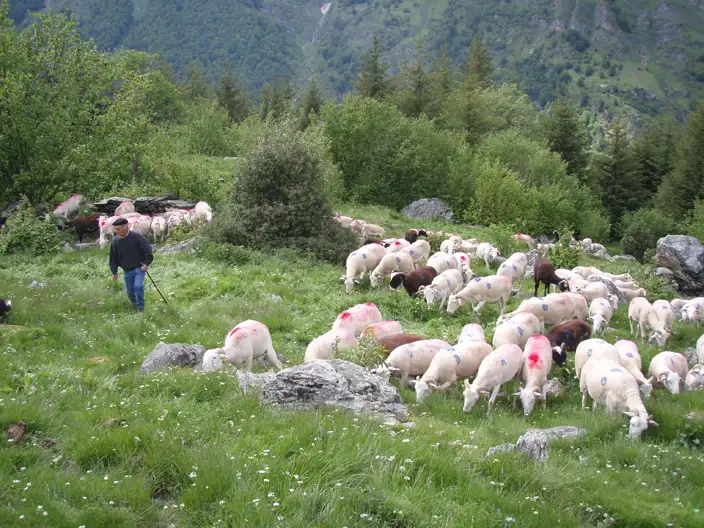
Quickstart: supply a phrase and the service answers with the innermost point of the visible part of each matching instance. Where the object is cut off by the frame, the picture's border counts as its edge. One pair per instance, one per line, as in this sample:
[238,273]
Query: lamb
[413,281]
[516,330]
[413,234]
[358,318]
[543,271]
[661,318]
[447,366]
[526,239]
[593,290]
[594,350]
[419,251]
[600,312]
[391,343]
[480,290]
[85,224]
[632,294]
[537,362]
[514,267]
[213,359]
[412,359]
[500,366]
[203,212]
[638,310]
[443,286]
[158,228]
[567,336]
[452,244]
[344,221]
[124,208]
[630,359]
[5,307]
[360,261]
[389,263]
[381,330]
[442,262]
[372,229]
[246,342]
[487,252]
[609,384]
[397,245]
[324,346]
[700,349]
[695,377]
[472,332]
[668,369]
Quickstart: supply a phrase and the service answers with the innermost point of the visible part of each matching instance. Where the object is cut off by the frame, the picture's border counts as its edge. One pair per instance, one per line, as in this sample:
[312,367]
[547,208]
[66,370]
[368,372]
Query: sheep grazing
[567,336]
[500,366]
[357,226]
[695,377]
[124,208]
[372,229]
[543,271]
[463,262]
[661,318]
[593,290]
[359,317]
[344,221]
[412,359]
[516,330]
[203,212]
[5,307]
[459,362]
[638,311]
[526,239]
[552,309]
[413,234]
[594,350]
[693,310]
[361,261]
[389,263]
[581,309]
[537,362]
[630,359]
[379,331]
[472,332]
[397,244]
[452,244]
[246,342]
[85,224]
[419,251]
[609,384]
[391,343]
[213,359]
[413,281]
[600,312]
[488,253]
[481,290]
[514,267]
[70,208]
[328,344]
[677,305]
[443,286]
[442,261]
[668,369]
[700,349]
[158,228]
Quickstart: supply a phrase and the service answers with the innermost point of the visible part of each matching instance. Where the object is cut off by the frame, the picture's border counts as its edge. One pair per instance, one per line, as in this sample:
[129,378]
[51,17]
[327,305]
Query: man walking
[130,251]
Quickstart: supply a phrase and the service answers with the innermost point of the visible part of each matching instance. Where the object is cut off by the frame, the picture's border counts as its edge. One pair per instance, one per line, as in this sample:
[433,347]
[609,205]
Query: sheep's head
[613,301]
[638,423]
[397,279]
[423,389]
[213,359]
[375,279]
[381,370]
[430,294]
[559,354]
[349,285]
[528,396]
[563,285]
[454,303]
[470,396]
[695,377]
[646,389]
[659,336]
[597,322]
[671,381]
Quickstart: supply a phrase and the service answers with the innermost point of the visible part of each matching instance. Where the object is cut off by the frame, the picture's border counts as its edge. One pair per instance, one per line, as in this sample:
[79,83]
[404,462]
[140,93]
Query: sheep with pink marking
[359,317]
[247,341]
[537,362]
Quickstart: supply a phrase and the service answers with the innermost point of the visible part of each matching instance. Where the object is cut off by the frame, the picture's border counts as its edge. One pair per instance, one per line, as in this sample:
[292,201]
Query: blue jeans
[134,284]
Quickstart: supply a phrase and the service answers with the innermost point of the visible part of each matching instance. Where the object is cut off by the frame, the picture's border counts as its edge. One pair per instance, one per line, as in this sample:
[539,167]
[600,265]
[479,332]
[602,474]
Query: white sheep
[359,317]
[246,342]
[481,290]
[693,310]
[628,285]
[452,244]
[361,261]
[600,313]
[158,228]
[412,359]
[447,283]
[661,318]
[610,384]
[514,267]
[630,359]
[487,252]
[124,208]
[500,366]
[593,290]
[551,309]
[631,294]
[397,245]
[472,332]
[566,274]
[328,344]
[586,271]
[458,362]
[213,359]
[586,244]
[442,262]
[537,362]
[526,239]
[516,330]
[695,377]
[668,368]
[638,310]
[372,229]
[357,226]
[594,350]
[700,349]
[344,221]
[383,329]
[142,225]
[463,263]
[677,305]
[203,212]
[419,251]
[581,308]
[400,261]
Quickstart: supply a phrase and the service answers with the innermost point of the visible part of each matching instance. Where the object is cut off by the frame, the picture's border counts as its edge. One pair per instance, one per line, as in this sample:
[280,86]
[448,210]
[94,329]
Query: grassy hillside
[643,56]
[110,447]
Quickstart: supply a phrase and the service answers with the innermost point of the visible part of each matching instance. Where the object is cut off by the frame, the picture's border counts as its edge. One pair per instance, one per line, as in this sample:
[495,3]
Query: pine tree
[196,88]
[233,97]
[276,99]
[566,135]
[372,81]
[416,86]
[442,73]
[655,153]
[312,102]
[479,65]
[616,171]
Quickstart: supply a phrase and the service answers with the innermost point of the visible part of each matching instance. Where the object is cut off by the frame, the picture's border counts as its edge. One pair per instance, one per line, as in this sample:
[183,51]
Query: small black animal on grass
[5,307]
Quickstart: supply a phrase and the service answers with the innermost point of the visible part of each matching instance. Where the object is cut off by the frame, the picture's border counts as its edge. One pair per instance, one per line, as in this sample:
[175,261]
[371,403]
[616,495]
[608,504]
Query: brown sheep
[566,336]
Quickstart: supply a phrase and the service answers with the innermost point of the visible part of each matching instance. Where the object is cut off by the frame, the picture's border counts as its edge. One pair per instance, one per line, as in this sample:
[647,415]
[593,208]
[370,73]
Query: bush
[499,195]
[563,255]
[23,231]
[499,235]
[657,287]
[642,229]
[694,223]
[279,199]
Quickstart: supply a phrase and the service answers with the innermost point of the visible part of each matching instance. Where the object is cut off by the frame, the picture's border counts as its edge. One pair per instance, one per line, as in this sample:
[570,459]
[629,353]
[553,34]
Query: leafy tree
[499,196]
[566,135]
[276,99]
[312,101]
[232,96]
[693,225]
[196,87]
[642,229]
[479,65]
[372,81]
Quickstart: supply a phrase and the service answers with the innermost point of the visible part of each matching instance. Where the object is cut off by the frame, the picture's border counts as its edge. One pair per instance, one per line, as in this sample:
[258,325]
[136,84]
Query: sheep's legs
[630,324]
[494,393]
[537,285]
[585,395]
[273,359]
[479,306]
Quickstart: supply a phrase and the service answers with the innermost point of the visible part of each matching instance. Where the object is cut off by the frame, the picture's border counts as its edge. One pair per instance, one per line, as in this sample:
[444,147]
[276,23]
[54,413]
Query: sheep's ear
[516,394]
[628,413]
[466,383]
[432,384]
[484,392]
[538,395]
[653,422]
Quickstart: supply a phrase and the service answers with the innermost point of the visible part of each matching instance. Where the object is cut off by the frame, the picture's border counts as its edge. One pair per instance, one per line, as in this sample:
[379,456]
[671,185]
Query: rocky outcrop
[179,247]
[428,208]
[534,442]
[684,257]
[173,355]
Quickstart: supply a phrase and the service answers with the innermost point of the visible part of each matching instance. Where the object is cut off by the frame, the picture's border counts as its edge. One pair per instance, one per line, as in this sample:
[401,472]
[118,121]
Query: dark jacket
[130,252]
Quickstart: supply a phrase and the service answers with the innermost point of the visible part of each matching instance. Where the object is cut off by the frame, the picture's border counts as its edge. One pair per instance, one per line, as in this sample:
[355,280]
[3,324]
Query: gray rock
[665,274]
[336,383]
[534,442]
[554,388]
[627,258]
[250,380]
[691,355]
[35,284]
[428,208]
[684,256]
[86,245]
[173,355]
[179,247]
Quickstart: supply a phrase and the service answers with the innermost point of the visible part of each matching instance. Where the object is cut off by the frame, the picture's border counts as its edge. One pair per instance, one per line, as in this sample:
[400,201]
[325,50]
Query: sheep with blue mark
[361,261]
[442,287]
[400,261]
[419,251]
[594,349]
[412,359]
[632,362]
[328,344]
[481,290]
[500,366]
[668,369]
[514,267]
[516,330]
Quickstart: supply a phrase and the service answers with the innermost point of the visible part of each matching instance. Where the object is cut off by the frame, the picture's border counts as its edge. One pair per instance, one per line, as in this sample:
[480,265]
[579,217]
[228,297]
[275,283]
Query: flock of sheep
[609,373]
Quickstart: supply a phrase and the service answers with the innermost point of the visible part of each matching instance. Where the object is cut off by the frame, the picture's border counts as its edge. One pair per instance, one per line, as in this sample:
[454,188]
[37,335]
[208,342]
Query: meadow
[108,446]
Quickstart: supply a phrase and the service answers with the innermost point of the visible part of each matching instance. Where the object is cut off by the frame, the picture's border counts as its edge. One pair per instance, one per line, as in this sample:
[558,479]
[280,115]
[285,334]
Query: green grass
[108,446]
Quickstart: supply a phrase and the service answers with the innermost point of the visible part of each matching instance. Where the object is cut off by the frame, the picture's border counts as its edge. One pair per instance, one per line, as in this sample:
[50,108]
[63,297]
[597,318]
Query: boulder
[626,258]
[534,442]
[173,355]
[665,274]
[554,388]
[179,247]
[428,208]
[148,205]
[250,380]
[684,257]
[336,383]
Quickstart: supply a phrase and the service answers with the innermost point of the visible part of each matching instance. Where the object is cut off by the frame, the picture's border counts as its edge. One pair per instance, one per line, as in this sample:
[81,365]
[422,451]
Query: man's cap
[120,221]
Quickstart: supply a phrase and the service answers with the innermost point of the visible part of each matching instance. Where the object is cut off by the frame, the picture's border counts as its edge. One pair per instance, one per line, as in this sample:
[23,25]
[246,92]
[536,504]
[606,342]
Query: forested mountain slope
[646,54]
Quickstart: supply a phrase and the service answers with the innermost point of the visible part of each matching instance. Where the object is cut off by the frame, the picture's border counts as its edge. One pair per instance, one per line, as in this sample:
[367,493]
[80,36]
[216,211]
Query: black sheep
[412,281]
[5,307]
[566,336]
[543,271]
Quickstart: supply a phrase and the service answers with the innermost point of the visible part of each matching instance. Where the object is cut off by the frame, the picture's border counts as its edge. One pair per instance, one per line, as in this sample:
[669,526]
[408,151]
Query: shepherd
[131,251]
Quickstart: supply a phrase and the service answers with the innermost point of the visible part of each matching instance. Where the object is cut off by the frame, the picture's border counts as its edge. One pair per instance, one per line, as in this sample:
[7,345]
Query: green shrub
[655,286]
[23,231]
[642,229]
[563,255]
[225,254]
[694,223]
[499,235]
[499,196]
